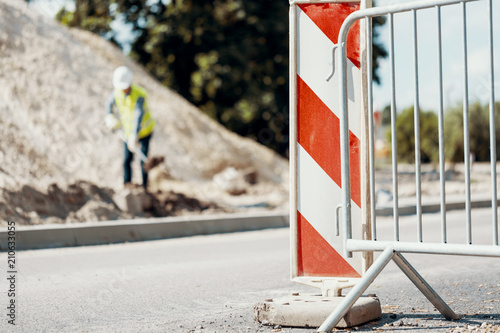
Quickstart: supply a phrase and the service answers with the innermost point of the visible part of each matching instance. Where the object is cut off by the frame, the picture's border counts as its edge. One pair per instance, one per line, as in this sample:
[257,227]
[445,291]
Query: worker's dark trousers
[127,161]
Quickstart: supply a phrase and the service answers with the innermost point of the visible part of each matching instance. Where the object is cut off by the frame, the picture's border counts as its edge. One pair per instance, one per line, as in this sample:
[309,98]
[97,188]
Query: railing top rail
[391,9]
[403,7]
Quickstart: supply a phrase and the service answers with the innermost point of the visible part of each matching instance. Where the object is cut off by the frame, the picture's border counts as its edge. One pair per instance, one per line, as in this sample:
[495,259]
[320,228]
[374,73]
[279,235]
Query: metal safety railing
[391,250]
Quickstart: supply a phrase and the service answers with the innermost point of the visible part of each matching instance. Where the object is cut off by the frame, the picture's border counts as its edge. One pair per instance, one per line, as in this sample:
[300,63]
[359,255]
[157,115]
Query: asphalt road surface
[210,284]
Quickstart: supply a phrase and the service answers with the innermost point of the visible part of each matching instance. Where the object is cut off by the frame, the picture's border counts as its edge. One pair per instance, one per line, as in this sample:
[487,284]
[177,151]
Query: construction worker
[134,121]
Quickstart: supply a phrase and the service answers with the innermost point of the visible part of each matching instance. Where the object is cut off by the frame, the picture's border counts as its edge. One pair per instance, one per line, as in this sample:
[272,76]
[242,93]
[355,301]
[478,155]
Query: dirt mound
[32,206]
[171,204]
[54,83]
[84,201]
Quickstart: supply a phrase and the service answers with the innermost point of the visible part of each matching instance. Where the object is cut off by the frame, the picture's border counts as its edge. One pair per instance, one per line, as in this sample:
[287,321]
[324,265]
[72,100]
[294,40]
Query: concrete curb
[432,208]
[106,232]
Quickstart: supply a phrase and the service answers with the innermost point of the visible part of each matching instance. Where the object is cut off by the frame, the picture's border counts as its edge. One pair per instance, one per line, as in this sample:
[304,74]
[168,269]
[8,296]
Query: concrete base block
[311,310]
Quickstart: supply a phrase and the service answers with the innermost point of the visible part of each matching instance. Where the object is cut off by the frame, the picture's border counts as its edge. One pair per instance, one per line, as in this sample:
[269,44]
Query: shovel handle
[143,157]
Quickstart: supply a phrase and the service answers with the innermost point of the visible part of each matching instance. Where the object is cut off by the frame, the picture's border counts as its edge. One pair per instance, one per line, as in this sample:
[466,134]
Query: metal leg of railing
[442,173]
[424,287]
[393,132]
[493,150]
[351,298]
[466,128]
[371,135]
[416,112]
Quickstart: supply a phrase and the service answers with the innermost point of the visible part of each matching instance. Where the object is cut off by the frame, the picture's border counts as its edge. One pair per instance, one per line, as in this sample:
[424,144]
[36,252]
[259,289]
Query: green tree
[479,133]
[386,115]
[91,15]
[378,50]
[405,136]
[228,57]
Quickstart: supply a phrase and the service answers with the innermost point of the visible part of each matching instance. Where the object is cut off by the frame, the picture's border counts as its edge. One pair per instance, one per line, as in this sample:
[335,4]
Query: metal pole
[356,245]
[351,298]
[393,131]
[371,143]
[416,112]
[424,287]
[344,140]
[293,139]
[493,146]
[442,175]
[466,129]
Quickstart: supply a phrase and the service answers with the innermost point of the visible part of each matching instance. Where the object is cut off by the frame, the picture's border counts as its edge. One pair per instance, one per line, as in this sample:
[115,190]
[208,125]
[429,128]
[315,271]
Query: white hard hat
[122,78]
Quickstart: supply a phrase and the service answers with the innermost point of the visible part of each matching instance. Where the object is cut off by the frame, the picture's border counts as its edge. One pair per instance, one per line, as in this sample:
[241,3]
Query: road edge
[119,231]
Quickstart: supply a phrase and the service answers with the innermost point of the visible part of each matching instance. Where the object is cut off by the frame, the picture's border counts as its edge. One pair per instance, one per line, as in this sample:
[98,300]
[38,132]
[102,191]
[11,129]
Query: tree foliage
[91,15]
[405,136]
[378,50]
[228,57]
[479,133]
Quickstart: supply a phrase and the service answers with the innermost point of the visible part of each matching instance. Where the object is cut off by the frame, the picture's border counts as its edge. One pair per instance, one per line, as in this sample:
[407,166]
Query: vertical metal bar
[293,139]
[442,175]
[344,145]
[493,146]
[357,291]
[424,287]
[371,141]
[393,131]
[466,129]
[416,112]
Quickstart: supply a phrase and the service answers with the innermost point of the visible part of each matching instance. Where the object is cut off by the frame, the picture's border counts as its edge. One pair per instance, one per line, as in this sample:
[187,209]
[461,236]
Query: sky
[51,7]
[452,52]
[452,48]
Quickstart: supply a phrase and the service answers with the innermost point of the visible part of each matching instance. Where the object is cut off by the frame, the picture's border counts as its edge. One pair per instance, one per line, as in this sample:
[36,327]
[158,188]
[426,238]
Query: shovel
[148,163]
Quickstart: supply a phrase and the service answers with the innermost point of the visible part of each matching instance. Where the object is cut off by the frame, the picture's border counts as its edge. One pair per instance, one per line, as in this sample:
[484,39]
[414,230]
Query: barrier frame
[392,250]
[330,286]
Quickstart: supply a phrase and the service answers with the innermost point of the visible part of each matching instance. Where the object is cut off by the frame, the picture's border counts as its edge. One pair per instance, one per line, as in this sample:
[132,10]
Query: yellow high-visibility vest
[126,105]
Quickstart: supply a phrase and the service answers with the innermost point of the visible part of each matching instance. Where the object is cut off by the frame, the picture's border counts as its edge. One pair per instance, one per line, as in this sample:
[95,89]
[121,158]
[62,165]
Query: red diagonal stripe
[315,257]
[355,171]
[319,134]
[329,18]
[318,131]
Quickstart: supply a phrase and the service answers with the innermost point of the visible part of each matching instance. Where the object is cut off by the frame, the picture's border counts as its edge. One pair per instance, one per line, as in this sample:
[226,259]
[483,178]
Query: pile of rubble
[59,163]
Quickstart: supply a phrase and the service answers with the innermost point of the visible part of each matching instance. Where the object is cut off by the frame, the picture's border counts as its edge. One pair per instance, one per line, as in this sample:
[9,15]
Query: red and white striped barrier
[315,149]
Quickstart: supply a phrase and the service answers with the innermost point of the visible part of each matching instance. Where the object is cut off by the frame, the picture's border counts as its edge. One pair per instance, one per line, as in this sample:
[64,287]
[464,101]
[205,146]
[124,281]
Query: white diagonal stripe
[317,198]
[314,64]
